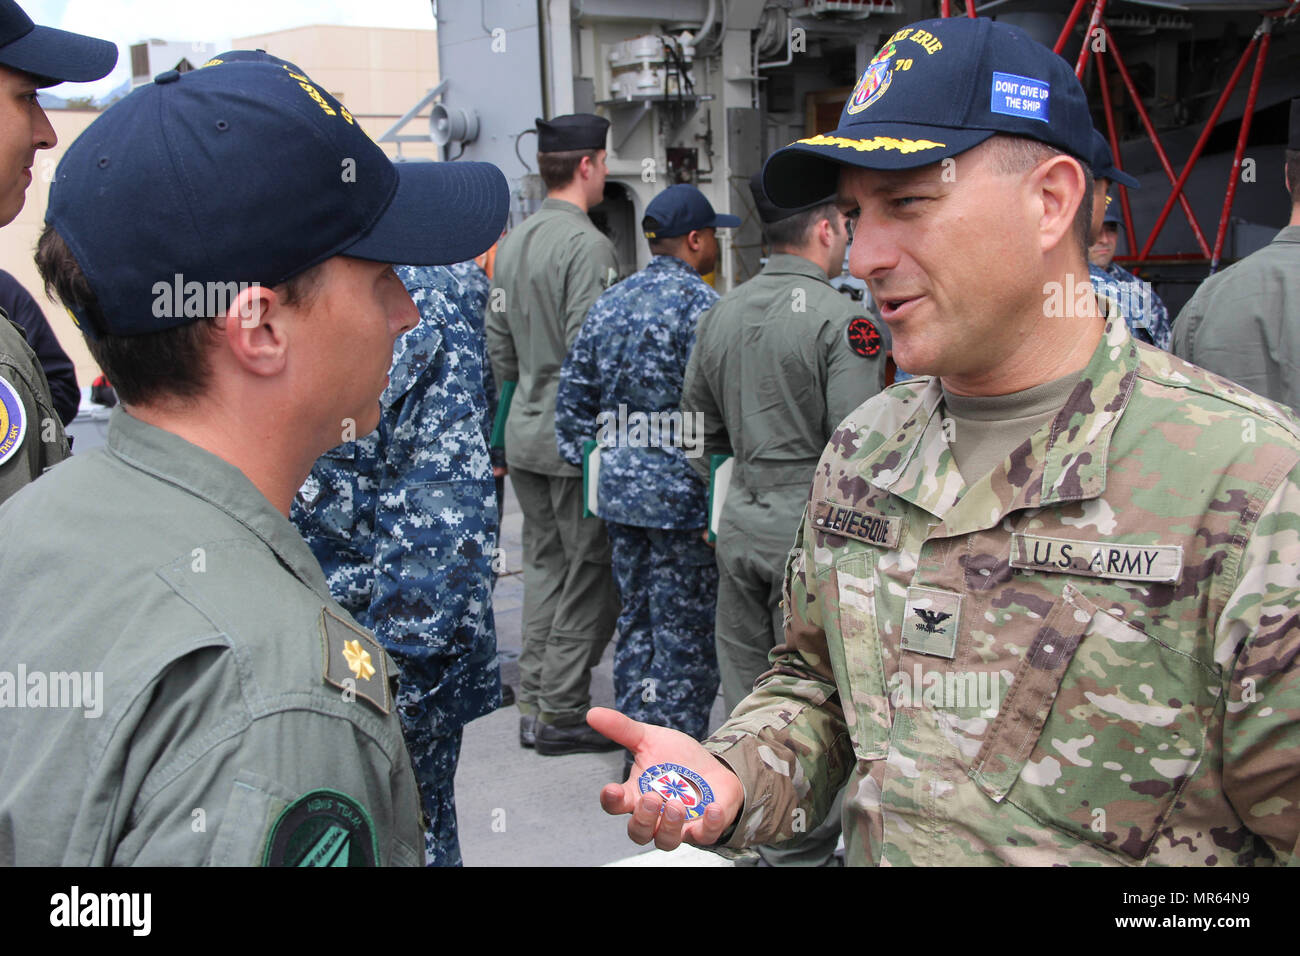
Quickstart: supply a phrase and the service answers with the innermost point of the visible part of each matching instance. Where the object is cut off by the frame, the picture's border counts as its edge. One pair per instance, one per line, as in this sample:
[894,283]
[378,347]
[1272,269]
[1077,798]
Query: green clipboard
[503,410]
[720,467]
[590,476]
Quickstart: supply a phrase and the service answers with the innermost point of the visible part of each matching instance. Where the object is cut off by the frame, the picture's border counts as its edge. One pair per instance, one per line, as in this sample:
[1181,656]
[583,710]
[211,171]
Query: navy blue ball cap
[52,56]
[936,89]
[1103,163]
[681,208]
[248,172]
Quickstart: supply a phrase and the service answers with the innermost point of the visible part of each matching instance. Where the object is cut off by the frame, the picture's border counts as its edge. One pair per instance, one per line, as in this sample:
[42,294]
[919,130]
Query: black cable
[518,136]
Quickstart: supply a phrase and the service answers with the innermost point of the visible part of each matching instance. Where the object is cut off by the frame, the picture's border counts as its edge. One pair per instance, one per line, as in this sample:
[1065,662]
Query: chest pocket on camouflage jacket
[1102,727]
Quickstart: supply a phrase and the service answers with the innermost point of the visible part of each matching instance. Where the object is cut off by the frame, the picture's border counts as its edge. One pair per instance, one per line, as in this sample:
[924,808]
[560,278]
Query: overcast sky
[130,21]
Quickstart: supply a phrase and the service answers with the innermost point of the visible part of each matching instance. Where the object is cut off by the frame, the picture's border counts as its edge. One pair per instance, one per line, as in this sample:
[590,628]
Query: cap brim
[442,213]
[57,56]
[1123,178]
[808,170]
[725,221]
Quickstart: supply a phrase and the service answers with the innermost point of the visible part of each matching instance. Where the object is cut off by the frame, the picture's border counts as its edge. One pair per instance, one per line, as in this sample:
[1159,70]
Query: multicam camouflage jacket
[622,384]
[1090,656]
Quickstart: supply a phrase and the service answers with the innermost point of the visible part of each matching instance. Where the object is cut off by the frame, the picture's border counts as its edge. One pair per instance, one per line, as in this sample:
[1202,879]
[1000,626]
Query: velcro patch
[883,530]
[13,421]
[322,828]
[930,622]
[1162,563]
[863,337]
[354,661]
[1014,95]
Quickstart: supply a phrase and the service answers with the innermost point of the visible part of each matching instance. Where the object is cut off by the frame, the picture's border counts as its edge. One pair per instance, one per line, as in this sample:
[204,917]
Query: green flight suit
[549,270]
[1244,323]
[773,372]
[43,443]
[214,704]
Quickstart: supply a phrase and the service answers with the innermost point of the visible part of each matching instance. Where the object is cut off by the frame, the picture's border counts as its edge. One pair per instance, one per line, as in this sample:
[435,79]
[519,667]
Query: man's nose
[874,250]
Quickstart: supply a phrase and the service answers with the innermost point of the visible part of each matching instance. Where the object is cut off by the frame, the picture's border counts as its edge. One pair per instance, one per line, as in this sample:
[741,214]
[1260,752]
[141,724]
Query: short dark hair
[172,363]
[558,169]
[1018,154]
[1293,174]
[660,247]
[793,232]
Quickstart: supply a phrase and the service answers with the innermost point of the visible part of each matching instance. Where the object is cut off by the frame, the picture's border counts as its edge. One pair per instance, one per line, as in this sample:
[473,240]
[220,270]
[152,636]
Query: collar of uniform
[1066,460]
[787,263]
[563,205]
[1288,234]
[673,264]
[172,459]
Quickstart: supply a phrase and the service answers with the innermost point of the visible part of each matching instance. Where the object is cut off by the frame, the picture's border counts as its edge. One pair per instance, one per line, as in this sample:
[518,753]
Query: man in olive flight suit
[239,715]
[777,364]
[32,439]
[549,271]
[1244,322]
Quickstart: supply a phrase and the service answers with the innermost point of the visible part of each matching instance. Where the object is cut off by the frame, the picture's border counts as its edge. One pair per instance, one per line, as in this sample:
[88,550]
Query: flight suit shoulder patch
[322,828]
[863,337]
[13,420]
[354,661]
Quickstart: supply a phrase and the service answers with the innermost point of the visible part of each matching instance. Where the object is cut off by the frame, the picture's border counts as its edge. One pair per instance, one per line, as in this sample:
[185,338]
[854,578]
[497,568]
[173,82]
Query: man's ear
[1058,185]
[255,329]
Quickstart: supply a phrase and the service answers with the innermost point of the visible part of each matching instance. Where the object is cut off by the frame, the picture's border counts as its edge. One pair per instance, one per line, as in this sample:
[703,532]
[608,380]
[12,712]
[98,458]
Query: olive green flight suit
[549,271]
[177,686]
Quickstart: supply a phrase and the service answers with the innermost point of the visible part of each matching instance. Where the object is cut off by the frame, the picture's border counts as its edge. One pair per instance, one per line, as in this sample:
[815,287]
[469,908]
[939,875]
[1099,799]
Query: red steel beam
[970,9]
[1130,236]
[945,9]
[1233,175]
[1094,22]
[1177,193]
[1070,21]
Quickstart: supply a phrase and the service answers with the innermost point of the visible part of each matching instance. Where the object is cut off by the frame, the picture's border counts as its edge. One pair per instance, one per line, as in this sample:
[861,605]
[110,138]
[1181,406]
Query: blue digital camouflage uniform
[622,384]
[476,286]
[1146,316]
[403,521]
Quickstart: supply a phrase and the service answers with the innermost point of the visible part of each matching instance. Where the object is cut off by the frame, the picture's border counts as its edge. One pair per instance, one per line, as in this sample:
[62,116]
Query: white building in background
[151,57]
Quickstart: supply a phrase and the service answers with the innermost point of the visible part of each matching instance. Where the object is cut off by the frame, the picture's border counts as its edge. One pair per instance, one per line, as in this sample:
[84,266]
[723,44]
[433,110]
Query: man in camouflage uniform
[1080,648]
[477,285]
[621,385]
[1244,322]
[404,523]
[1143,310]
[549,271]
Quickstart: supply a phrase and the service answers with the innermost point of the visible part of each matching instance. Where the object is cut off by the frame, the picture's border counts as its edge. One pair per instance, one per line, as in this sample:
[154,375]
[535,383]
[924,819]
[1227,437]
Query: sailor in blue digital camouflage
[1143,312]
[621,385]
[475,286]
[403,520]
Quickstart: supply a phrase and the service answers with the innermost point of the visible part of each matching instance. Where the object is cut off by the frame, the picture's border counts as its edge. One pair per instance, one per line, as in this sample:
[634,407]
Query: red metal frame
[1262,37]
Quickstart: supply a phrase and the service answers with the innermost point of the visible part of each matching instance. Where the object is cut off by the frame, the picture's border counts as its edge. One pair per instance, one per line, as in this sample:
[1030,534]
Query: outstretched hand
[652,745]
